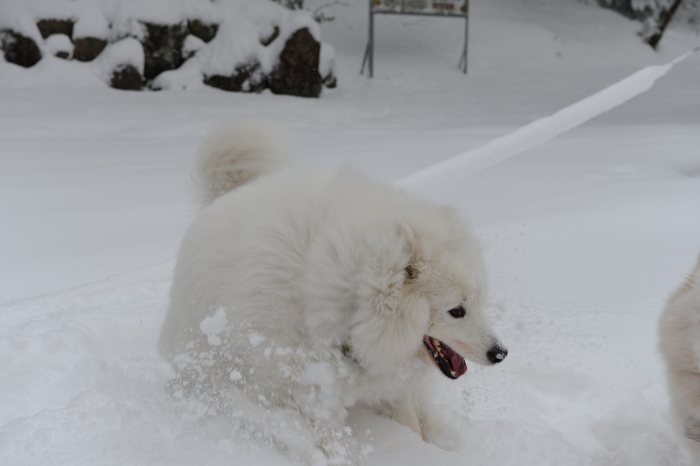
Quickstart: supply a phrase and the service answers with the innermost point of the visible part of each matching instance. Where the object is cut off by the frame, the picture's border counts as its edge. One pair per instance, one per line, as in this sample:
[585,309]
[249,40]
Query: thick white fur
[234,154]
[293,288]
[679,342]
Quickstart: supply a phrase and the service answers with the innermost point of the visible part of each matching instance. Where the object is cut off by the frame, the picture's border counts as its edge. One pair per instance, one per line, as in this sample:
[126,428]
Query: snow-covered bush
[656,15]
[644,10]
[239,45]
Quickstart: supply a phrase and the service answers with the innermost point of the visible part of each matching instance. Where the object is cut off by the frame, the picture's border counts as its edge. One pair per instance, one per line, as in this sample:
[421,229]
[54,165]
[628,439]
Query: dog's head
[423,295]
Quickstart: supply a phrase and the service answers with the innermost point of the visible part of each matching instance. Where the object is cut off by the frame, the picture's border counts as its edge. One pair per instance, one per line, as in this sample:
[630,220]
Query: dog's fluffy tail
[237,153]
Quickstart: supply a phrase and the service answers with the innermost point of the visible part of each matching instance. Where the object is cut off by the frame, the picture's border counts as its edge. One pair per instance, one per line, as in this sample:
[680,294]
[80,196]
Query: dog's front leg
[685,394]
[437,424]
[405,413]
[417,412]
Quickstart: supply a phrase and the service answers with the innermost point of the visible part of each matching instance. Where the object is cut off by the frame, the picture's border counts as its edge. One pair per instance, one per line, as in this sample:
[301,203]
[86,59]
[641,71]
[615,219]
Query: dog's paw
[692,428]
[447,439]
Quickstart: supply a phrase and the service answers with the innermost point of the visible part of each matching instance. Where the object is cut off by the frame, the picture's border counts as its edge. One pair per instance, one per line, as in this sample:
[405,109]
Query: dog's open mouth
[450,363]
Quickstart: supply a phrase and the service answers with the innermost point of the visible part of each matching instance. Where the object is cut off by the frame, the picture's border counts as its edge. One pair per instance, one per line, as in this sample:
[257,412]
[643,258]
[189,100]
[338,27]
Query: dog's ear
[387,326]
[408,236]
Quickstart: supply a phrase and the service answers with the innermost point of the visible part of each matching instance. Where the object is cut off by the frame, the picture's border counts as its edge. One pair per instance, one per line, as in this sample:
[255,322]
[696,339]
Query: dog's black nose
[496,354]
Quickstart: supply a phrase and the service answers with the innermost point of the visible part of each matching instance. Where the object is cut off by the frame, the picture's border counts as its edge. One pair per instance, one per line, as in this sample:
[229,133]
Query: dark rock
[49,27]
[162,47]
[62,54]
[206,32]
[297,70]
[245,78]
[19,49]
[127,77]
[88,48]
[271,38]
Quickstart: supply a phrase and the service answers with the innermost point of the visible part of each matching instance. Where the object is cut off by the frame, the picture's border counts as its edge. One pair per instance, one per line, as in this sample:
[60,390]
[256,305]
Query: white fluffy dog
[311,292]
[679,341]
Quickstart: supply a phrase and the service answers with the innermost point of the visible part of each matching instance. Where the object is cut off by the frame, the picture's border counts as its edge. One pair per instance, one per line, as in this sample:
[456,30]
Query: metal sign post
[444,8]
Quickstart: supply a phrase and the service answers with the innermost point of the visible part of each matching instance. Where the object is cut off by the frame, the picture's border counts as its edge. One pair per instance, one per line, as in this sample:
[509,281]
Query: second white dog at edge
[298,293]
[679,340]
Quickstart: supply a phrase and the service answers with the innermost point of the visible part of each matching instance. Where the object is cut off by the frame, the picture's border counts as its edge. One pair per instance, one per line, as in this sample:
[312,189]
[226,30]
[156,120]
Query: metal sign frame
[373,10]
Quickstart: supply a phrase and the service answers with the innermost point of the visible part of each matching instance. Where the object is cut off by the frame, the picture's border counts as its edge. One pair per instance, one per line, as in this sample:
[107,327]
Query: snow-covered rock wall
[236,45]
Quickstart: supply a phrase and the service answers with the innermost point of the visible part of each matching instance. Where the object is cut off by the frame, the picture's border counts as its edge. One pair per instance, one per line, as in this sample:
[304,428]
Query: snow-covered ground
[584,236]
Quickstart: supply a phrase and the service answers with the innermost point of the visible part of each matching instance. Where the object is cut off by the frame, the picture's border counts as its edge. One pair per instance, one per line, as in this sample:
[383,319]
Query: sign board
[444,8]
[423,7]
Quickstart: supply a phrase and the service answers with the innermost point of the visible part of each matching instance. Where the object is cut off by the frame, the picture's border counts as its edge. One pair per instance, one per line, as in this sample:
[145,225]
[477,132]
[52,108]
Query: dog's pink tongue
[459,365]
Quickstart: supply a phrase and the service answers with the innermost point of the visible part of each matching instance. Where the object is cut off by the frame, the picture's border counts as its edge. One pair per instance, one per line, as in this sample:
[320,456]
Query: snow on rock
[326,65]
[88,48]
[163,47]
[297,69]
[191,46]
[17,17]
[244,45]
[19,35]
[121,64]
[50,27]
[124,52]
[126,14]
[60,45]
[248,47]
[91,22]
[188,76]
[19,49]
[54,9]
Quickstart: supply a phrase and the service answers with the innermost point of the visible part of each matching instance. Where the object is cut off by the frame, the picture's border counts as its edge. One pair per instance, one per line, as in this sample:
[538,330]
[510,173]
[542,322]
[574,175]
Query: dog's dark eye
[458,312]
[411,272]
